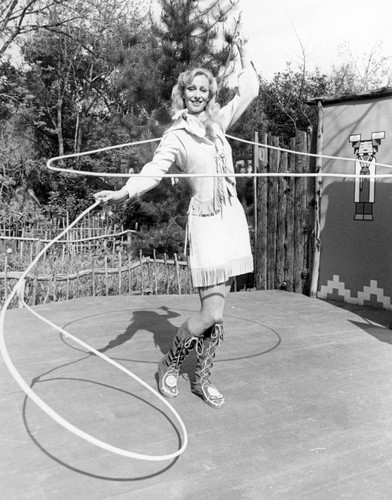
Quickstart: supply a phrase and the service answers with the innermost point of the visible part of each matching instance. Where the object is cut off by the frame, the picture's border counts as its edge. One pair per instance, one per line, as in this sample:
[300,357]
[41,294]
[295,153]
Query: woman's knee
[211,317]
[212,304]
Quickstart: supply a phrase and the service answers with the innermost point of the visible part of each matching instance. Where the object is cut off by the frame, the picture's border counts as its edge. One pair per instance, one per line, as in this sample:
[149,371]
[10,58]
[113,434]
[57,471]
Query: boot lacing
[216,337]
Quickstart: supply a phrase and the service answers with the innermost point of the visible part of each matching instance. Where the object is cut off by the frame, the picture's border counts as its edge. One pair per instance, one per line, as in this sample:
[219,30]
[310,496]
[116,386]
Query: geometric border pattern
[371,295]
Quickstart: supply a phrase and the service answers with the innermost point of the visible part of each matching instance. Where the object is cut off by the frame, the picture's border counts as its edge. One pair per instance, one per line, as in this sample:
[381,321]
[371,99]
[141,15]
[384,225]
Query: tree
[18,17]
[17,154]
[186,34]
[67,89]
[70,74]
[189,33]
[362,72]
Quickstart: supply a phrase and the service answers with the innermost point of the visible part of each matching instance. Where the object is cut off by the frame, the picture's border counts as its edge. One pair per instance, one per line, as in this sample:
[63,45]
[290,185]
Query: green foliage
[164,238]
[185,35]
[159,206]
[189,33]
[12,216]
[103,78]
[69,274]
[72,194]
[284,101]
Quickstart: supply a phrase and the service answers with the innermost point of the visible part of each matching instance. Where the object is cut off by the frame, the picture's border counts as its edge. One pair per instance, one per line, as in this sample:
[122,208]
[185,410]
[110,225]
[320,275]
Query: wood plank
[308,399]
[299,214]
[274,158]
[290,239]
[281,225]
[262,228]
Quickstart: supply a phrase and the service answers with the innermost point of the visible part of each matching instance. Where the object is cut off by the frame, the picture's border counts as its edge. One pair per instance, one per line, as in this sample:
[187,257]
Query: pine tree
[187,34]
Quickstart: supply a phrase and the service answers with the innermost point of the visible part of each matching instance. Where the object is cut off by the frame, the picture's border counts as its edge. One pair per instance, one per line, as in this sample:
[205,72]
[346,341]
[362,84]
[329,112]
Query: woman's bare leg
[208,326]
[191,332]
[212,303]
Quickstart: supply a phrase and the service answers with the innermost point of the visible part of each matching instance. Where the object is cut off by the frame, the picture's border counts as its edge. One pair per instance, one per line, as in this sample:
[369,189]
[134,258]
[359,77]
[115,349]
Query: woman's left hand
[240,40]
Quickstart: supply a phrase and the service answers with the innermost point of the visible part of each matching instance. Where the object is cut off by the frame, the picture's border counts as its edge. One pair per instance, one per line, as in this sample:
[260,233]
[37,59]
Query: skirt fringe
[213,275]
[219,245]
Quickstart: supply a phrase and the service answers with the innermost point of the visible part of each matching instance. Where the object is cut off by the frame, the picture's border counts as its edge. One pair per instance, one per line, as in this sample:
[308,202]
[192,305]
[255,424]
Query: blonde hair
[210,115]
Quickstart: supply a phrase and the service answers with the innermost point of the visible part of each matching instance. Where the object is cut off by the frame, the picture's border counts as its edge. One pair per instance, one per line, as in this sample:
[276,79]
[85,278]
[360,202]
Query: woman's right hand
[111,197]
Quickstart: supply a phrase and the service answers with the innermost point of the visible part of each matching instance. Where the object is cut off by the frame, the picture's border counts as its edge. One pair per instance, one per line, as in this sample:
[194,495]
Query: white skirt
[219,245]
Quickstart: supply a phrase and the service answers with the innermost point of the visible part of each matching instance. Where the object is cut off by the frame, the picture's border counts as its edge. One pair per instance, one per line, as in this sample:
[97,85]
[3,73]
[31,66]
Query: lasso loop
[19,285]
[244,174]
[44,406]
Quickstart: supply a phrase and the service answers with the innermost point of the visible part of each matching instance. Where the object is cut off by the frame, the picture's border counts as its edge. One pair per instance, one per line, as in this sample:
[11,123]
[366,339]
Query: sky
[276,30]
[326,29]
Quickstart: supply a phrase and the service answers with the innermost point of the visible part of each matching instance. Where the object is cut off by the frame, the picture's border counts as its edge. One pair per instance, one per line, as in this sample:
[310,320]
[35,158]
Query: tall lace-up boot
[206,349]
[169,366]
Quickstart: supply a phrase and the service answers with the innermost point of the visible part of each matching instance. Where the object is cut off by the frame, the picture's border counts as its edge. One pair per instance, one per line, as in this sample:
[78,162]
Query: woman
[217,229]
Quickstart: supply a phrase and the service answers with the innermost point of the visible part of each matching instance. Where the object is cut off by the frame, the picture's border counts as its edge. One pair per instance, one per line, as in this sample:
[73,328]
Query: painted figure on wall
[365,166]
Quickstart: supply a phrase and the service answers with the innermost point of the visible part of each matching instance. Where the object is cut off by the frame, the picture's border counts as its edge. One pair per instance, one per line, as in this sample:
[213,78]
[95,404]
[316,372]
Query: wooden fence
[111,275]
[29,238]
[284,217]
[283,241]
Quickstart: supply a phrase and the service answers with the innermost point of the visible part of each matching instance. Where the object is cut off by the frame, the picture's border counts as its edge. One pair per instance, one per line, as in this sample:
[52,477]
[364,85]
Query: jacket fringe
[203,208]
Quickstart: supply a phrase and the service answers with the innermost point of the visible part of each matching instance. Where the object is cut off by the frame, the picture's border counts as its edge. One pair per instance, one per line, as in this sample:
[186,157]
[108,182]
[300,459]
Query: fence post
[119,272]
[261,233]
[22,242]
[77,283]
[93,274]
[129,273]
[129,241]
[106,276]
[141,270]
[281,242]
[317,198]
[31,250]
[167,274]
[5,277]
[255,204]
[155,273]
[149,274]
[45,254]
[177,273]
[48,291]
[272,215]
[289,276]
[54,285]
[35,285]
[299,213]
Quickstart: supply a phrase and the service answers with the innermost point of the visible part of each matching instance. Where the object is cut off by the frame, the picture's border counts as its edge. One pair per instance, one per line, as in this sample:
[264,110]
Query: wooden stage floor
[308,412]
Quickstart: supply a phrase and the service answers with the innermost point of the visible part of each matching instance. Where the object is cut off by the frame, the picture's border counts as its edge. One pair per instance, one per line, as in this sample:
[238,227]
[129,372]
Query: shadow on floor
[383,334]
[376,322]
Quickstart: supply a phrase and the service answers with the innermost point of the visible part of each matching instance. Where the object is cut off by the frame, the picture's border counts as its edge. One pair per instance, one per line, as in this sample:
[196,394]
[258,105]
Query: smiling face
[196,94]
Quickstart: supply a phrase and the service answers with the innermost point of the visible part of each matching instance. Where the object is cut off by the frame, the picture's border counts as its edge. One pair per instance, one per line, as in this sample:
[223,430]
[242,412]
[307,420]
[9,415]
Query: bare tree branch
[13,19]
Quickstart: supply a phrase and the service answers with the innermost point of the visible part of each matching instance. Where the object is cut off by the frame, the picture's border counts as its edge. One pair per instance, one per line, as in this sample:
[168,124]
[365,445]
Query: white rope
[93,151]
[19,285]
[245,174]
[312,155]
[44,406]
[82,240]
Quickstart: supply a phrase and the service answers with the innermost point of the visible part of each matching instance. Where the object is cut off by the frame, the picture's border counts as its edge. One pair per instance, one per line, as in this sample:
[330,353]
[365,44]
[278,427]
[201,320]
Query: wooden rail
[154,276]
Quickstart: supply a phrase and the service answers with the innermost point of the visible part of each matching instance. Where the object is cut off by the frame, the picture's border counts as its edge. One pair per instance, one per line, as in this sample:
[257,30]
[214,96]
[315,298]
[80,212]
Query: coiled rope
[17,288]
[234,174]
[44,406]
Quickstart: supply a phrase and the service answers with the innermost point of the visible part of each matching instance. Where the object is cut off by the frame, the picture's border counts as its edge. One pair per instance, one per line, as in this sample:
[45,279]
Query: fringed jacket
[186,146]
